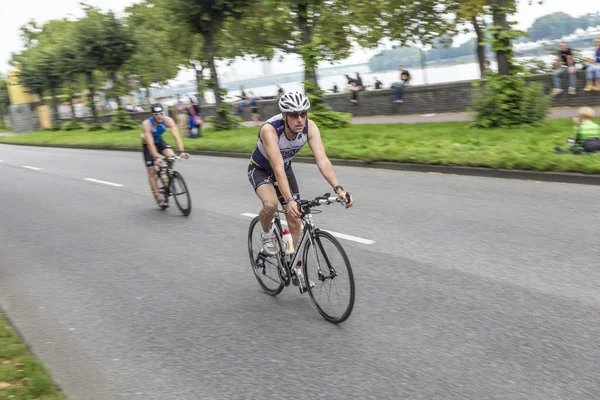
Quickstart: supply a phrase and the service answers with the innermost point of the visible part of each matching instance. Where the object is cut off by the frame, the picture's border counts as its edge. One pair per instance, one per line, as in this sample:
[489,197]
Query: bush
[331,119]
[507,101]
[122,122]
[229,121]
[95,127]
[321,113]
[56,126]
[72,125]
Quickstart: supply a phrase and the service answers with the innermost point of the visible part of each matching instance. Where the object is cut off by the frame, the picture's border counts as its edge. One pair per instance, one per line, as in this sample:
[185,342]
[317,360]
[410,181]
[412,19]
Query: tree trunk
[55,115]
[499,17]
[115,80]
[199,77]
[72,103]
[209,51]
[479,47]
[90,80]
[309,56]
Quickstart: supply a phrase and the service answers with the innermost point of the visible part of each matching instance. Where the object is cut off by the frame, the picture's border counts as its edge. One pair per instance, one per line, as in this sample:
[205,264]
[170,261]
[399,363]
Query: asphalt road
[472,288]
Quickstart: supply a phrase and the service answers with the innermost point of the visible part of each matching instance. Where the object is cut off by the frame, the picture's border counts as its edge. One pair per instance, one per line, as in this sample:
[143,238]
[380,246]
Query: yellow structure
[44,116]
[18,95]
[16,92]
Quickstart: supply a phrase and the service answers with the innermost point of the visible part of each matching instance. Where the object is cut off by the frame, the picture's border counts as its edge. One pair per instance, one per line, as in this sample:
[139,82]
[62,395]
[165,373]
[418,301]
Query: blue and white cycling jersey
[289,148]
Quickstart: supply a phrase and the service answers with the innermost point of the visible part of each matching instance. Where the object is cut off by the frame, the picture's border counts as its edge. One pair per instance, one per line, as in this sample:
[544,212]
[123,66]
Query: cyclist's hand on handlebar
[158,162]
[346,198]
[292,209]
[184,155]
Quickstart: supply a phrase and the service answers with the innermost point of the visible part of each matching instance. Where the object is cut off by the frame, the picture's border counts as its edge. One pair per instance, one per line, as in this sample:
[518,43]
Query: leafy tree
[473,12]
[587,20]
[315,30]
[506,99]
[158,52]
[553,26]
[4,99]
[39,63]
[69,66]
[119,45]
[90,51]
[28,72]
[209,18]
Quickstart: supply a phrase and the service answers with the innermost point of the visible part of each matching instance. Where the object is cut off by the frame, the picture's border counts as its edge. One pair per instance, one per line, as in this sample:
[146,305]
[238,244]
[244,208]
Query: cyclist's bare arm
[316,145]
[175,133]
[149,139]
[270,140]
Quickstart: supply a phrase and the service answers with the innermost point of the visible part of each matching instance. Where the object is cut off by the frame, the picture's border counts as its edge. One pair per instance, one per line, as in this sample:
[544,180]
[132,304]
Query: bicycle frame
[308,234]
[168,166]
[286,264]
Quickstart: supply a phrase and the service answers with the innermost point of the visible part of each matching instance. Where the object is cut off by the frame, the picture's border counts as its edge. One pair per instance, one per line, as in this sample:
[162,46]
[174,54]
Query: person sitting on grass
[586,133]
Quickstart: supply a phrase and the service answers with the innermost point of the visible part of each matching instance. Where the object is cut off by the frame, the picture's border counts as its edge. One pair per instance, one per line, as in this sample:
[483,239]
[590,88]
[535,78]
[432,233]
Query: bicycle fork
[332,273]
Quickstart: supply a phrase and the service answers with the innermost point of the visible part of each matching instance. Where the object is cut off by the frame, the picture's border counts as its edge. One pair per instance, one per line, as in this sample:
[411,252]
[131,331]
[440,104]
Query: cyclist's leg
[294,224]
[149,161]
[263,183]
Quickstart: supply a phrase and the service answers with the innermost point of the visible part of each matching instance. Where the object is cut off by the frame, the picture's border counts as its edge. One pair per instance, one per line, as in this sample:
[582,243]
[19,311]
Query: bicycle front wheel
[327,266]
[180,191]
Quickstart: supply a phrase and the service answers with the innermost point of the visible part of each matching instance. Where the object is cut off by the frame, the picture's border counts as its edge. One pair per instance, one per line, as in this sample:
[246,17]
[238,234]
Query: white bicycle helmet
[294,102]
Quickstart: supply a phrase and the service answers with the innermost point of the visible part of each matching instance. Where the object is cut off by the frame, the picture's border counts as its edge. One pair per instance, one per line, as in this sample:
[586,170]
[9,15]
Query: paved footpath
[563,112]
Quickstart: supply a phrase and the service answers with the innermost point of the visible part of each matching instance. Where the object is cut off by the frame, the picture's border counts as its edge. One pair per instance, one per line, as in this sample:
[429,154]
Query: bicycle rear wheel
[269,271]
[180,191]
[327,266]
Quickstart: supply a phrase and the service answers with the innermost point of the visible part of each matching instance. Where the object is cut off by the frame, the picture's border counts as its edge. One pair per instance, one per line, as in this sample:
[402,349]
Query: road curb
[561,177]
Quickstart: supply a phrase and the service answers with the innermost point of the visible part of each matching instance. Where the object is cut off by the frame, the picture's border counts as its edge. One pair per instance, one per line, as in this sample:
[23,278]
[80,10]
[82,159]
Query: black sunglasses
[296,115]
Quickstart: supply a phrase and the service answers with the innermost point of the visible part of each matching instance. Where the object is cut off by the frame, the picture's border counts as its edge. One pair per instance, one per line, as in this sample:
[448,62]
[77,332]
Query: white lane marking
[33,168]
[102,182]
[336,234]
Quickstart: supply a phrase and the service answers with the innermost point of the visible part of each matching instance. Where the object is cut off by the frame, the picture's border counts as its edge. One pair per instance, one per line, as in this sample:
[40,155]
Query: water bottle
[163,176]
[289,241]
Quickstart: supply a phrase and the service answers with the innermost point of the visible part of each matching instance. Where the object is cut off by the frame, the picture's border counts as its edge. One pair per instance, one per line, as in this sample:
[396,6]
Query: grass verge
[22,376]
[449,143]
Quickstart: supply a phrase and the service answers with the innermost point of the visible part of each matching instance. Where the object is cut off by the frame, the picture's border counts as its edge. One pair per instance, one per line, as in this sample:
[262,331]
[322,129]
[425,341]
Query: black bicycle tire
[177,176]
[318,235]
[273,292]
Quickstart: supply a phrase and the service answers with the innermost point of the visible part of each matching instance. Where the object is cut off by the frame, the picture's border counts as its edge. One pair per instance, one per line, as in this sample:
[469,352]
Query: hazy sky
[14,13]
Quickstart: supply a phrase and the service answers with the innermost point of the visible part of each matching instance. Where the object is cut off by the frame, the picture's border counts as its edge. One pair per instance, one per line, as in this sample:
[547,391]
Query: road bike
[323,259]
[171,183]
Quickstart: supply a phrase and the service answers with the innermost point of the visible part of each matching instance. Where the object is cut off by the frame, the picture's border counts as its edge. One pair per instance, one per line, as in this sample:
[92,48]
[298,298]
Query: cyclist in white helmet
[270,171]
